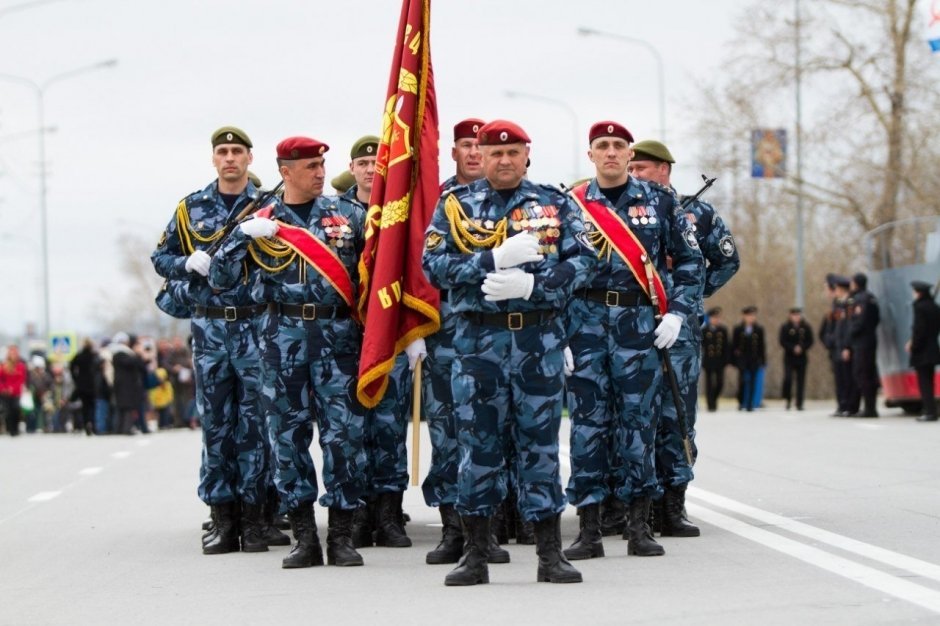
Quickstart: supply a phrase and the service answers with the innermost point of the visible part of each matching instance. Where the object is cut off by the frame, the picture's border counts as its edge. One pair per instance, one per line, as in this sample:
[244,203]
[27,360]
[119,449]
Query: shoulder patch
[726,245]
[690,239]
[433,241]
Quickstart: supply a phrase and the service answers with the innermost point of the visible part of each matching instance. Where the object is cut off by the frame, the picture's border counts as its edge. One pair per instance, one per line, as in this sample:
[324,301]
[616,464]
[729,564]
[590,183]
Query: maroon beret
[294,148]
[609,129]
[468,128]
[500,132]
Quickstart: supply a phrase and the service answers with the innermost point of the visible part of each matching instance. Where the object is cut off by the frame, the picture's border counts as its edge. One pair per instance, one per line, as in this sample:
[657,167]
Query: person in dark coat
[715,352]
[750,354]
[923,347]
[796,337]
[84,368]
[864,317]
[130,371]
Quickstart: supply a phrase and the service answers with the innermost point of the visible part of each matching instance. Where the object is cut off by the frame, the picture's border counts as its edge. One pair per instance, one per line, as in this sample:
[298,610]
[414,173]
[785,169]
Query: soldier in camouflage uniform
[613,327]
[310,345]
[652,161]
[508,289]
[386,427]
[225,350]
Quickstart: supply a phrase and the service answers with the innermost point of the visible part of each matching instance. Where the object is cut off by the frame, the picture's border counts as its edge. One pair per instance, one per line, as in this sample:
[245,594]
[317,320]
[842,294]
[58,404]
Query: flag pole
[416,423]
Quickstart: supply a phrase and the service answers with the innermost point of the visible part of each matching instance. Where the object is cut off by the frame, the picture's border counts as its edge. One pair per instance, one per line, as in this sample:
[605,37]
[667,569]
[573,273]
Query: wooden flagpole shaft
[416,423]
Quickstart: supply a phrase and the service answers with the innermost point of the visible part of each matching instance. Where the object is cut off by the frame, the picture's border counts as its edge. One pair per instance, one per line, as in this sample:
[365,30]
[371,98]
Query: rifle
[668,371]
[698,194]
[256,203]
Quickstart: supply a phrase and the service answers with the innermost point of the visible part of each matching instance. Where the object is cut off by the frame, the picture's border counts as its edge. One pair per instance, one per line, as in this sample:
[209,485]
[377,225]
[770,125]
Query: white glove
[259,227]
[414,351]
[198,262]
[668,331]
[508,284]
[523,248]
[569,362]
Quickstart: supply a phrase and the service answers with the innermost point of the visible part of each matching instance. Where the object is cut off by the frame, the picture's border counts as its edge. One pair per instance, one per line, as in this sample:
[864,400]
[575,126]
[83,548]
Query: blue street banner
[768,153]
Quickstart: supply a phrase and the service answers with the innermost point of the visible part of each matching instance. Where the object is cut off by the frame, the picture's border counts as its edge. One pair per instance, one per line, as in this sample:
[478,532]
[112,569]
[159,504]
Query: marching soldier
[225,350]
[615,334]
[310,344]
[715,351]
[796,337]
[750,354]
[509,252]
[864,317]
[386,428]
[652,161]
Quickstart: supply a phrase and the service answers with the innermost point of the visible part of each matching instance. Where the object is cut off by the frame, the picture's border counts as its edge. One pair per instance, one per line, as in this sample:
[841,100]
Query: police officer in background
[864,317]
[827,332]
[386,430]
[509,252]
[750,354]
[225,350]
[614,333]
[715,353]
[923,347]
[652,161]
[846,389]
[310,346]
[796,337]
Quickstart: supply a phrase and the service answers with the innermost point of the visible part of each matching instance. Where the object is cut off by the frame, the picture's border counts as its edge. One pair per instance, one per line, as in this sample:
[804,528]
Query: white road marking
[91,471]
[862,574]
[123,454]
[869,426]
[882,555]
[143,442]
[44,496]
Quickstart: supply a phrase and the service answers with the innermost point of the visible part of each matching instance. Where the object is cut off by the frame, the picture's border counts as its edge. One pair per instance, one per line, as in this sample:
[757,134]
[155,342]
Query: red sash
[318,255]
[622,239]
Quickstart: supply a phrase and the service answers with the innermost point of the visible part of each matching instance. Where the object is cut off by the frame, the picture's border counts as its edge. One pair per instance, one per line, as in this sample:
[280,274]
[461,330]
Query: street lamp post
[800,294]
[586,32]
[574,122]
[39,89]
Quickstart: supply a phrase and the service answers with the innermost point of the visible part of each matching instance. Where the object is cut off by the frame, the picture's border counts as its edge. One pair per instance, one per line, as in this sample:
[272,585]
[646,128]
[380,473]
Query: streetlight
[586,32]
[566,107]
[39,89]
[799,163]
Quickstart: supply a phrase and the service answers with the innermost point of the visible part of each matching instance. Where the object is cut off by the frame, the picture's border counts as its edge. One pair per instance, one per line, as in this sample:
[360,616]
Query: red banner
[396,302]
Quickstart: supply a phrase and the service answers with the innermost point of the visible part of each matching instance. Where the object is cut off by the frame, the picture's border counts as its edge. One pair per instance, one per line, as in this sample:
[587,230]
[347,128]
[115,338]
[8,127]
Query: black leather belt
[228,313]
[311,311]
[512,321]
[615,298]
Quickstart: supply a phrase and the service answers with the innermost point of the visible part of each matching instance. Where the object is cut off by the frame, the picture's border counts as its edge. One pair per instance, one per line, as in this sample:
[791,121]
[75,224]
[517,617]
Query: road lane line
[862,574]
[90,471]
[121,455]
[43,496]
[867,550]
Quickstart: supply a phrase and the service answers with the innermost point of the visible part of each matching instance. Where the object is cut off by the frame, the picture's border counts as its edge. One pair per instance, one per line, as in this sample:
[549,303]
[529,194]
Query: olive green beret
[343,182]
[650,150]
[367,146]
[254,179]
[230,134]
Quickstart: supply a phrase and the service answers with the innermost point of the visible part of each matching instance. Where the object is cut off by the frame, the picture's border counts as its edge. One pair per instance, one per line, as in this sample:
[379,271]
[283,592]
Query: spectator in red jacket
[12,380]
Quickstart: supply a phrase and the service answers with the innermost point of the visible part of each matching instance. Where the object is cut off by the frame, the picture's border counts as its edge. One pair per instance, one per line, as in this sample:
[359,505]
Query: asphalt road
[805,519]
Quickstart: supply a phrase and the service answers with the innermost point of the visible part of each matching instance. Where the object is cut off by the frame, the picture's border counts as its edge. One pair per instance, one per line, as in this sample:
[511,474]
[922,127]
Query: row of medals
[539,221]
[641,215]
[337,230]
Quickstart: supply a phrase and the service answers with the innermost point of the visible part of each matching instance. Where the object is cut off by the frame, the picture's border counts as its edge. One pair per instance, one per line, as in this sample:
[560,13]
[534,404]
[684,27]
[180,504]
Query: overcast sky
[131,140]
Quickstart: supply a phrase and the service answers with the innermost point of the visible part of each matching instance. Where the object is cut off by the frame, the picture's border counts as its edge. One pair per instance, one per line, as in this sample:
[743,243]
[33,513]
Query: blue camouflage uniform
[309,355]
[226,357]
[722,261]
[440,484]
[386,427]
[613,393]
[508,377]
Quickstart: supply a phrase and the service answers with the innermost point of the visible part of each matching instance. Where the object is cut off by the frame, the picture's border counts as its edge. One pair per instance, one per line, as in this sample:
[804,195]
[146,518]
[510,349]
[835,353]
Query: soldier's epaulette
[657,187]
[199,194]
[548,187]
[457,190]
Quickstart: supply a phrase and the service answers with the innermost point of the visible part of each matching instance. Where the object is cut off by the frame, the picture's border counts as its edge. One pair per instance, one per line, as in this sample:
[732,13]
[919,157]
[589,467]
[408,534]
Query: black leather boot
[613,517]
[553,566]
[307,551]
[589,543]
[497,554]
[339,545]
[450,549]
[363,525]
[525,533]
[225,537]
[674,522]
[655,519]
[252,528]
[499,525]
[390,532]
[472,568]
[272,535]
[639,539]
